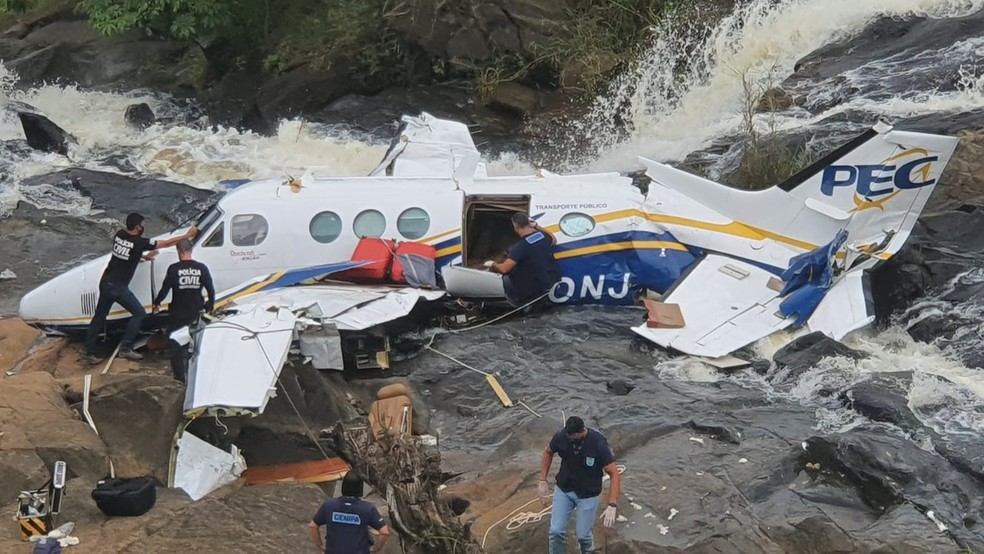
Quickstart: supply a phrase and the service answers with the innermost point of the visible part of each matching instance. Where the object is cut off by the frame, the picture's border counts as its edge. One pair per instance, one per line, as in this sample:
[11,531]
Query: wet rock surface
[44,135]
[726,461]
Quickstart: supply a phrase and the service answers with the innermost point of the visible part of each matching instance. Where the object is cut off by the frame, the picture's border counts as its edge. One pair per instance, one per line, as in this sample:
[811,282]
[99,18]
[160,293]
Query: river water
[560,362]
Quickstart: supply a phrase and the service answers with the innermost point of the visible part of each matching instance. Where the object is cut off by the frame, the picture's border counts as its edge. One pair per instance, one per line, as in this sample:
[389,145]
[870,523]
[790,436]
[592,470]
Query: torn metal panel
[472,283]
[847,306]
[349,308]
[323,345]
[238,360]
[200,468]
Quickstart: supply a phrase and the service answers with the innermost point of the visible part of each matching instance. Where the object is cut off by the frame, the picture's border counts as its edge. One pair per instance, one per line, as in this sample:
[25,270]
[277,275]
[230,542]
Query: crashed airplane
[729,266]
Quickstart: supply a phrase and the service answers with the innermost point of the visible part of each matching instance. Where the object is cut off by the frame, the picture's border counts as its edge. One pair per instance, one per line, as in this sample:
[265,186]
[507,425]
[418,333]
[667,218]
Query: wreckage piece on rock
[392,412]
[408,475]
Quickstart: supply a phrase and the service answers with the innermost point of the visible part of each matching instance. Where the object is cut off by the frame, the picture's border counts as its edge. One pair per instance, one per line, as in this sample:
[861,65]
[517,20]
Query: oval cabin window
[325,227]
[248,229]
[413,223]
[370,223]
[577,224]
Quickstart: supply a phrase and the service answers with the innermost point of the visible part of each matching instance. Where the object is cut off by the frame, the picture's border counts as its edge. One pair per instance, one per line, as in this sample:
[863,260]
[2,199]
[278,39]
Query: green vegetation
[767,159]
[599,36]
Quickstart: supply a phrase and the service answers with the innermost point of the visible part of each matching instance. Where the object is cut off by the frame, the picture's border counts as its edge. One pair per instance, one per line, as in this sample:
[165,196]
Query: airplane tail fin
[875,187]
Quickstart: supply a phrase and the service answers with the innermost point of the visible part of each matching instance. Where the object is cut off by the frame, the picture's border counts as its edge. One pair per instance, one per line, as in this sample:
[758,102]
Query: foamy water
[756,47]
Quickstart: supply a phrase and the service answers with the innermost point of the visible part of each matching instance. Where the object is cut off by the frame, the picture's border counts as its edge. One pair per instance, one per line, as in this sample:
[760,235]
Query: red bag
[424,250]
[380,252]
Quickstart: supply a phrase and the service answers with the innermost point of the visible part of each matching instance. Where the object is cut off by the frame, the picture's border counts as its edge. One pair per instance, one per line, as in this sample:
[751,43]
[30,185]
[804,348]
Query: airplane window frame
[582,217]
[341,227]
[355,223]
[218,232]
[233,237]
[399,221]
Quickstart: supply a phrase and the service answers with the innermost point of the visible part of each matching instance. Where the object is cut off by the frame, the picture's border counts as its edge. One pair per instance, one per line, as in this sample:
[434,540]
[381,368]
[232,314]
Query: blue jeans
[563,504]
[120,294]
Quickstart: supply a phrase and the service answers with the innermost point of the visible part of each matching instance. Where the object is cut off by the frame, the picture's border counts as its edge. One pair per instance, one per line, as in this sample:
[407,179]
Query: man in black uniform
[128,248]
[186,278]
[348,520]
[530,270]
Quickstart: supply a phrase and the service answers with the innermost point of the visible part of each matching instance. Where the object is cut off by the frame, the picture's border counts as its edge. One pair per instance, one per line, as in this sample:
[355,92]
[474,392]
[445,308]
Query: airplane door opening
[487,231]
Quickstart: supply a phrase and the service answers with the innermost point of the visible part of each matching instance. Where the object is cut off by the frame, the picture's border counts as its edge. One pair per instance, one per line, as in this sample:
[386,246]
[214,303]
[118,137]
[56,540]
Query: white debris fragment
[939,524]
[636,506]
[44,222]
[621,518]
[700,473]
[696,439]
[743,461]
[673,513]
[804,445]
[7,275]
[663,488]
[663,529]
[650,514]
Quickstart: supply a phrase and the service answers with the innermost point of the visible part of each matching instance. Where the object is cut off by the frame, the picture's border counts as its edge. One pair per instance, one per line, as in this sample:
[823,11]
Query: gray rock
[139,115]
[43,134]
[806,351]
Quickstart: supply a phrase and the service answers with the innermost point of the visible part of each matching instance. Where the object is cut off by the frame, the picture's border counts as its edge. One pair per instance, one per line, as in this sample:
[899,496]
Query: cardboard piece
[664,316]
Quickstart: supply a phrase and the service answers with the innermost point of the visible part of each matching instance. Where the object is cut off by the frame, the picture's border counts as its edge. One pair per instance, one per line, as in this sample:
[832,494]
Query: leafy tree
[181,19]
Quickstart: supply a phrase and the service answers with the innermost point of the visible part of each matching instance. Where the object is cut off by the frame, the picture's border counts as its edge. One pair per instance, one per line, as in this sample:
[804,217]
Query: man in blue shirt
[584,456]
[348,519]
[530,270]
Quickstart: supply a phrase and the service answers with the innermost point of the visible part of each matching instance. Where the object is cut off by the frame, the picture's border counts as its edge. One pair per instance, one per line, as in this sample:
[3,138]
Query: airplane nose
[30,308]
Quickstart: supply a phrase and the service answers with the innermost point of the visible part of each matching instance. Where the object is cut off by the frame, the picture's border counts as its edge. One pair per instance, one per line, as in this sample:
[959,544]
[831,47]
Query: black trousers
[177,353]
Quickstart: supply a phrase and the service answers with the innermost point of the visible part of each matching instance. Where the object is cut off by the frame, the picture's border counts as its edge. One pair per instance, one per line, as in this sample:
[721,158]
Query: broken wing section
[847,306]
[725,304]
[238,360]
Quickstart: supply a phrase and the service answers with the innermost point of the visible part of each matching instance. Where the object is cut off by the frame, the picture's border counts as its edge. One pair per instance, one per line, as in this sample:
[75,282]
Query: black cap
[574,425]
[133,220]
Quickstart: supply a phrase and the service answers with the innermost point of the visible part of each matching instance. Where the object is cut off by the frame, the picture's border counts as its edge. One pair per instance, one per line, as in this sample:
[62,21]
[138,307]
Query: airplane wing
[348,307]
[238,359]
[726,304]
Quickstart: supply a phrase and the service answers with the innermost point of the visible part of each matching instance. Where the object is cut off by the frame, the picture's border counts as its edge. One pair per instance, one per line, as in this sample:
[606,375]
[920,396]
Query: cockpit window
[205,221]
[248,229]
[217,237]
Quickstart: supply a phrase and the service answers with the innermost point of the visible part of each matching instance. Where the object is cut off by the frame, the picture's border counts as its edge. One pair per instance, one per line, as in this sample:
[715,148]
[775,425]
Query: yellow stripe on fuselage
[448,251]
[615,246]
[440,236]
